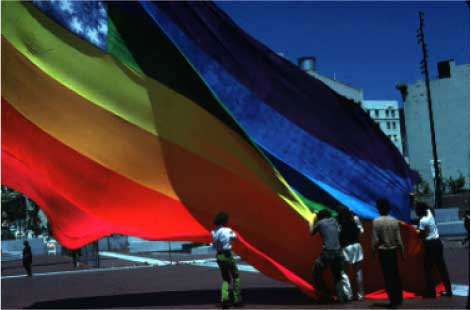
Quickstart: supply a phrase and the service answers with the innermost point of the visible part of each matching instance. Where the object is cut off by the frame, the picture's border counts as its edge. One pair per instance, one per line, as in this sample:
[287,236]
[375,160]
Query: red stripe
[84,200]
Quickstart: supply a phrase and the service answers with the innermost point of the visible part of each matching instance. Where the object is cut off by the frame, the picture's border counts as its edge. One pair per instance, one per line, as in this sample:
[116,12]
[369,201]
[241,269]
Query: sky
[368,45]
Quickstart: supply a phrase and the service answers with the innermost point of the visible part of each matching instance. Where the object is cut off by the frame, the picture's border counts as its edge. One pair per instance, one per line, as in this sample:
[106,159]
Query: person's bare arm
[233,235]
[359,225]
[313,228]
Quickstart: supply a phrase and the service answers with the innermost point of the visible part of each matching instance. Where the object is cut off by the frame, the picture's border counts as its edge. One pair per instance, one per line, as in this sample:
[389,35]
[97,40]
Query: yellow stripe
[90,130]
[142,101]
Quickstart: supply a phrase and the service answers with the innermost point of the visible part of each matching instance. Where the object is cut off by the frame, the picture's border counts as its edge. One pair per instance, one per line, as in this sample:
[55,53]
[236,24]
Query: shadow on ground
[275,296]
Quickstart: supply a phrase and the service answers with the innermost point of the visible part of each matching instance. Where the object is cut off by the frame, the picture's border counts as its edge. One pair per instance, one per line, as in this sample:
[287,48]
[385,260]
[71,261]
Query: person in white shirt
[350,231]
[433,251]
[222,237]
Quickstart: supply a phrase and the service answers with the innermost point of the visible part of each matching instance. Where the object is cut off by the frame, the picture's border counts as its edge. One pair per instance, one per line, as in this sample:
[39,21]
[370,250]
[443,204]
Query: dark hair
[322,214]
[25,243]
[345,216]
[221,219]
[421,208]
[383,207]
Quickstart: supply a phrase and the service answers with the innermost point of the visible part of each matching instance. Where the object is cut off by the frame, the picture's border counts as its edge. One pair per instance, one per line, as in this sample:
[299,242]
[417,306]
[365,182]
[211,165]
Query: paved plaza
[152,280]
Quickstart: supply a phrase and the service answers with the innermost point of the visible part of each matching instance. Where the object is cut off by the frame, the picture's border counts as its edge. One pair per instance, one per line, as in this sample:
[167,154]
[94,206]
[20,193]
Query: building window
[394,125]
[393,113]
[387,113]
[376,113]
[388,125]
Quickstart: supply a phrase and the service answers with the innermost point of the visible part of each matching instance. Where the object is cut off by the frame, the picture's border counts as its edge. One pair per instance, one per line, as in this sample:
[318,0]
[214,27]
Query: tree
[455,185]
[422,186]
[401,87]
[16,213]
[34,222]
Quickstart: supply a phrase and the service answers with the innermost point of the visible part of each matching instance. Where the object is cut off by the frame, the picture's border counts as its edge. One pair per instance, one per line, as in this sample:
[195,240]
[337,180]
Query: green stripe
[117,47]
[128,40]
[315,206]
[138,42]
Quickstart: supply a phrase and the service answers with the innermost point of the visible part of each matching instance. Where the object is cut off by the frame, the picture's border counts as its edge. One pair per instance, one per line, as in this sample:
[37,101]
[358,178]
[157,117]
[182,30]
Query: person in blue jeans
[222,237]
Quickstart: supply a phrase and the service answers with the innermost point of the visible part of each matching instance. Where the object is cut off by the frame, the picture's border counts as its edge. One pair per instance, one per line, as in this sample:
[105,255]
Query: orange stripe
[116,143]
[82,198]
[201,185]
[145,102]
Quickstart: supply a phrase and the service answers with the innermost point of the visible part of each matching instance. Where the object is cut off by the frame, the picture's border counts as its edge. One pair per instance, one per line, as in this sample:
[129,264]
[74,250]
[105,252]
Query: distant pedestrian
[27,258]
[350,230]
[75,255]
[433,251]
[466,241]
[222,237]
[466,226]
[331,254]
[386,241]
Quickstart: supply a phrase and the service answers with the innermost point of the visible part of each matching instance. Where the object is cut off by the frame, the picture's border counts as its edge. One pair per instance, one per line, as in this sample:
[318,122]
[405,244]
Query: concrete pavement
[124,283]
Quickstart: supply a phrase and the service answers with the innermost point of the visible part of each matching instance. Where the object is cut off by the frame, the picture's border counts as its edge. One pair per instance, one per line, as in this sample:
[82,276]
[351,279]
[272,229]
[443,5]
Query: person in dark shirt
[27,258]
[350,230]
[387,241]
[466,226]
[466,240]
[331,253]
[75,257]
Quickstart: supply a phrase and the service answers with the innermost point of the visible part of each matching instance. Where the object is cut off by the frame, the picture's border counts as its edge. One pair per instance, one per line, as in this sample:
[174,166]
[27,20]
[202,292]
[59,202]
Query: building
[308,65]
[450,104]
[386,114]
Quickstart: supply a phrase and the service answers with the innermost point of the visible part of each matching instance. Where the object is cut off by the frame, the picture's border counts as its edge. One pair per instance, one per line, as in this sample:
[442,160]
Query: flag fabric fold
[147,119]
[295,118]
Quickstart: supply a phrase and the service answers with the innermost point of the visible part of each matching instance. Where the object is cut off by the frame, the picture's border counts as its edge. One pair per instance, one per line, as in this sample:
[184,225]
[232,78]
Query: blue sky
[369,45]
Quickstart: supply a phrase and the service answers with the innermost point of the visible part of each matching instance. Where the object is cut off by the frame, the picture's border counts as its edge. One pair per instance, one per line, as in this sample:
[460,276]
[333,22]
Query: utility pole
[424,69]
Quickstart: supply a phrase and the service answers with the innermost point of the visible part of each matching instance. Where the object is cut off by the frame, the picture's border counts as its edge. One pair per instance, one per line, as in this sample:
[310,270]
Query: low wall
[38,247]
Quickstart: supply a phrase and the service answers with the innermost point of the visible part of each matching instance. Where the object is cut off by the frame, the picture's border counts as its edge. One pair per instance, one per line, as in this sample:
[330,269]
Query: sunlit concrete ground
[123,283]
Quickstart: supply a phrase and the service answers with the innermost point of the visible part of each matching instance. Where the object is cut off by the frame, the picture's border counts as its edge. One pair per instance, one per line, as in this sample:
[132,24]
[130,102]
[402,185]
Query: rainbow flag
[148,118]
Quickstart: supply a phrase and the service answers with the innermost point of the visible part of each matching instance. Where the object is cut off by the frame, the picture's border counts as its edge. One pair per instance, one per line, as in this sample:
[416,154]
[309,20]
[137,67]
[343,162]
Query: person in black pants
[433,251]
[27,258]
[466,241]
[386,241]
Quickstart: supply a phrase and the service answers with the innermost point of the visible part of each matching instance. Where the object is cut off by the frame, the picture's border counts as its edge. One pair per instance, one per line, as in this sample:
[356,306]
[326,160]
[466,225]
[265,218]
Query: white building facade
[386,114]
[451,110]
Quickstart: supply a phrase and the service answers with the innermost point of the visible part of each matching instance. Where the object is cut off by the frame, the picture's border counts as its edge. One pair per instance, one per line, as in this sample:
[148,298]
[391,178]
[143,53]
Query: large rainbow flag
[148,118]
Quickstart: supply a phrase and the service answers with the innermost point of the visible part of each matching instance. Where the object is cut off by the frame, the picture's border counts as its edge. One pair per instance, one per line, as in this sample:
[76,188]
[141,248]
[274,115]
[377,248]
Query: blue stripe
[355,182]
